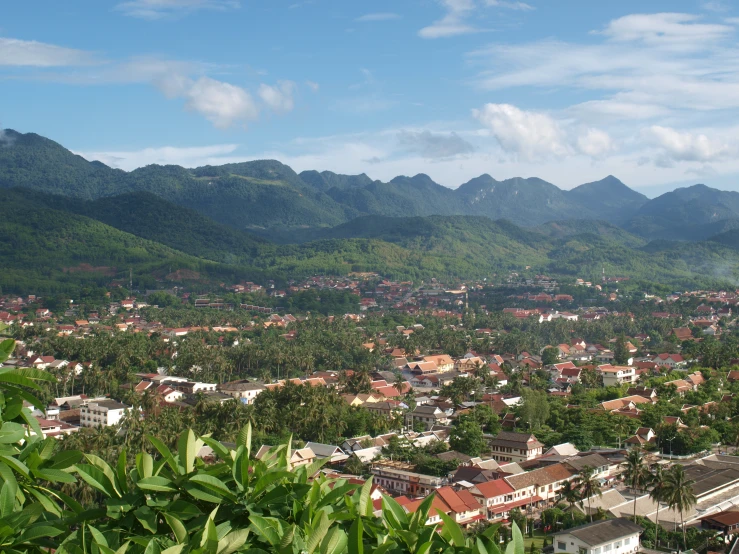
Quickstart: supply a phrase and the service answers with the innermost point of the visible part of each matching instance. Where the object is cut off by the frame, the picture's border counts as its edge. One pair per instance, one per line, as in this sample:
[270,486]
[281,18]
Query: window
[582,550]
[561,545]
[627,542]
[607,548]
[596,550]
[617,545]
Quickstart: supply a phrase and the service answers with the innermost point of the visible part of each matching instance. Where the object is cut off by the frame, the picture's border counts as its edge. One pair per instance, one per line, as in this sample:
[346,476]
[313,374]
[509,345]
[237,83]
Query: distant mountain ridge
[269,197]
[268,194]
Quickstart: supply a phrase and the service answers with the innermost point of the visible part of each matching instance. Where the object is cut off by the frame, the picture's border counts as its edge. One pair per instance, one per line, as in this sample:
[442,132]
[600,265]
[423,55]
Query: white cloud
[158,9]
[458,13]
[434,146]
[380,16]
[595,143]
[645,66]
[192,156]
[15,52]
[670,30]
[522,6]
[684,146]
[279,97]
[223,104]
[453,23]
[313,85]
[528,135]
[536,136]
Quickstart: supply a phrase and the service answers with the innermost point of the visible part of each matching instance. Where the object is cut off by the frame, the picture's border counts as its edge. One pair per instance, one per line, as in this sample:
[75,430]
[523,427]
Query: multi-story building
[243,390]
[515,447]
[102,413]
[614,376]
[402,481]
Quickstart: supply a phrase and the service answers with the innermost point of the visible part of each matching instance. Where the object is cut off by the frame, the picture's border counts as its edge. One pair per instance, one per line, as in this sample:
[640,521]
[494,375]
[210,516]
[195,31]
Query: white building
[102,413]
[243,390]
[610,536]
[617,375]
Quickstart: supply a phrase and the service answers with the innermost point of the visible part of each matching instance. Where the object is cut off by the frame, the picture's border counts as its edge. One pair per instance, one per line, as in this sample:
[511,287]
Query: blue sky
[568,91]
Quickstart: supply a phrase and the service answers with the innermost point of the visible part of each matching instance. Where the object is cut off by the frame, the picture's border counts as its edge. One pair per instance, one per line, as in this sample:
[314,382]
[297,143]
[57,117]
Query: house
[596,462]
[610,536]
[682,333]
[493,495]
[299,457]
[426,415]
[330,451]
[515,447]
[642,437]
[54,427]
[397,479]
[102,413]
[460,505]
[242,389]
[541,484]
[671,361]
[617,375]
[443,362]
[726,522]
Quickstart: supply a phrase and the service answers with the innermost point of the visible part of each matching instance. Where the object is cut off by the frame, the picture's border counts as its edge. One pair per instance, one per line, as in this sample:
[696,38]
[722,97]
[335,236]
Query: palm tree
[589,486]
[570,493]
[622,425]
[657,493]
[679,494]
[636,474]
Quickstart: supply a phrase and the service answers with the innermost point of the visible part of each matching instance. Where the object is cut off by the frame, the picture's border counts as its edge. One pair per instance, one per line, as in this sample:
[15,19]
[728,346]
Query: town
[526,401]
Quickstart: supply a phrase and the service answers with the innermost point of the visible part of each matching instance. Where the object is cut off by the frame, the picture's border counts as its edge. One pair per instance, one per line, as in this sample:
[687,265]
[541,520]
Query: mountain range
[268,195]
[67,220]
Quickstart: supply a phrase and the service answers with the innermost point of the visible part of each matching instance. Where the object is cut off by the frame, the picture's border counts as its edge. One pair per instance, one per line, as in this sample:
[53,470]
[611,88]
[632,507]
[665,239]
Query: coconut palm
[570,493]
[657,493]
[679,494]
[637,473]
[589,486]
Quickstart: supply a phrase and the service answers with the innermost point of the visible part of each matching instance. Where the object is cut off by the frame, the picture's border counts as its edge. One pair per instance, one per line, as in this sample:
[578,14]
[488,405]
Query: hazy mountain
[526,202]
[608,198]
[690,213]
[268,196]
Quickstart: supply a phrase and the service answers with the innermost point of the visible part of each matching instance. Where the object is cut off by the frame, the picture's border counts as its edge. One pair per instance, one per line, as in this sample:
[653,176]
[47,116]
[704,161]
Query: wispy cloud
[434,146]
[453,23]
[190,156]
[458,13]
[522,6]
[159,9]
[30,53]
[380,16]
[279,97]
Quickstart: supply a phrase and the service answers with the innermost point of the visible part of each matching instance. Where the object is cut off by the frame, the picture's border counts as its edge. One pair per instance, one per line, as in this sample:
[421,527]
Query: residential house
[609,536]
[330,451]
[397,478]
[242,389]
[460,505]
[426,415]
[299,457]
[617,375]
[494,495]
[508,446]
[672,361]
[443,362]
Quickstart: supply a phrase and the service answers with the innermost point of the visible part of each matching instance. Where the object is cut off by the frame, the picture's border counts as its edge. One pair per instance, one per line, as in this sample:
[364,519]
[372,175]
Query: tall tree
[589,487]
[657,493]
[621,352]
[636,473]
[679,494]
